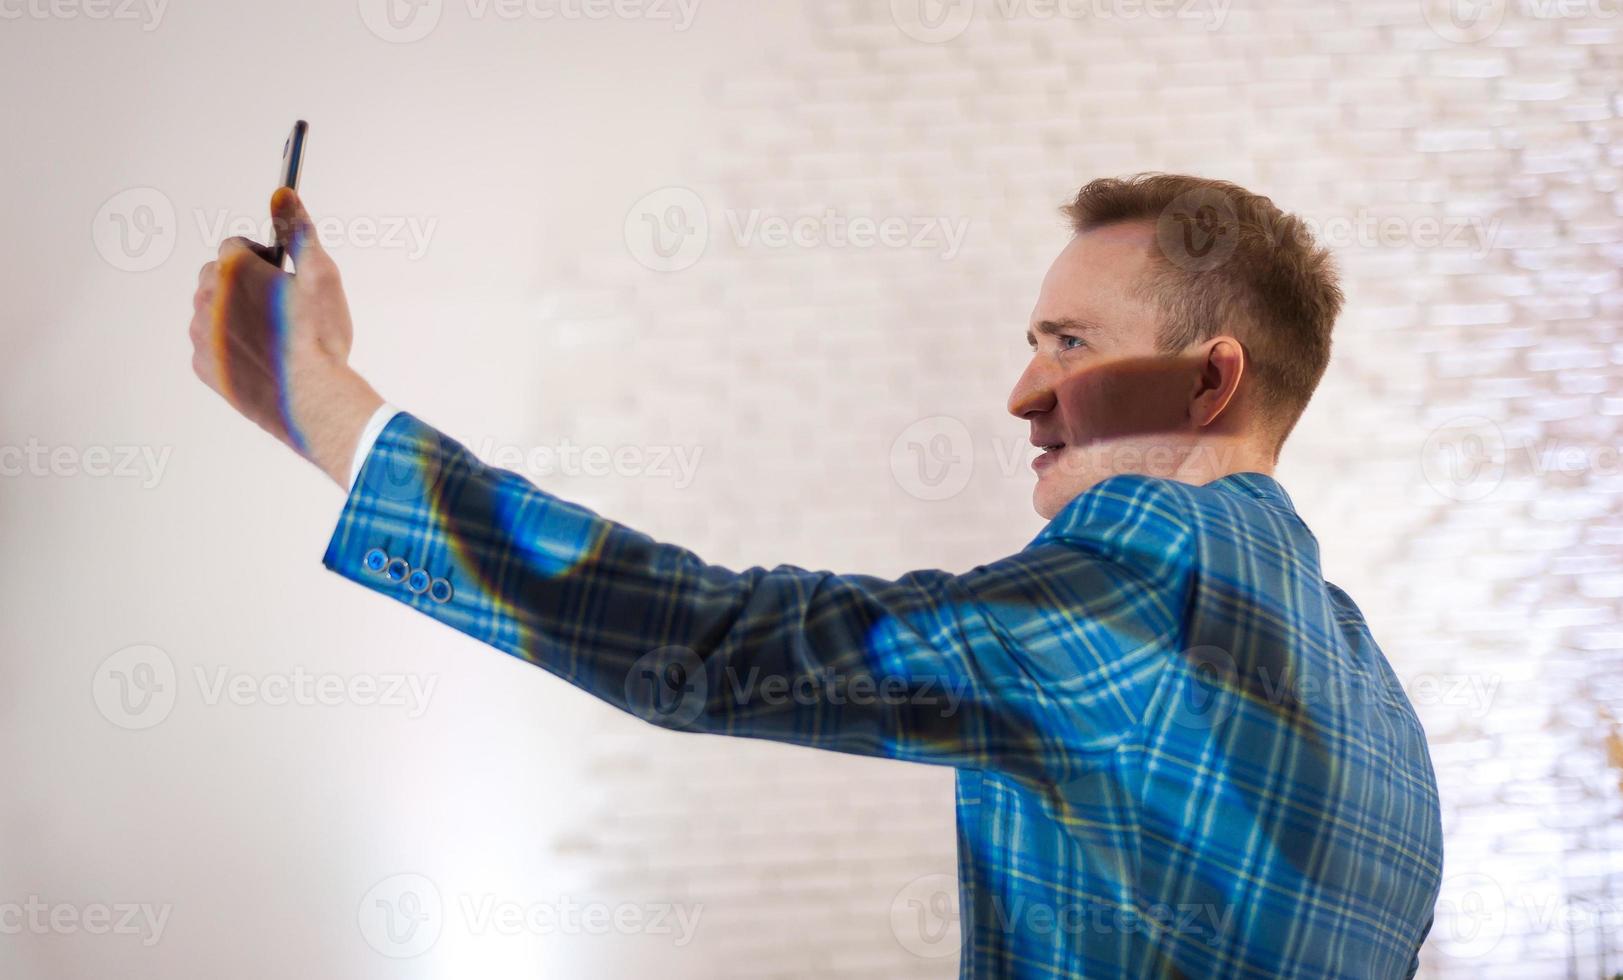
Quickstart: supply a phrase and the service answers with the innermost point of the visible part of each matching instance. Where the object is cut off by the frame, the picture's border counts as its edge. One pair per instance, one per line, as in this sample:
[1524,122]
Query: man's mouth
[1050,453]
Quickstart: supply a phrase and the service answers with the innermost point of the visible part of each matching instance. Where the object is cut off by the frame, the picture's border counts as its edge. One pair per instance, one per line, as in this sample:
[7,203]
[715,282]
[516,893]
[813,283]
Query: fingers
[240,244]
[295,229]
[204,362]
[208,282]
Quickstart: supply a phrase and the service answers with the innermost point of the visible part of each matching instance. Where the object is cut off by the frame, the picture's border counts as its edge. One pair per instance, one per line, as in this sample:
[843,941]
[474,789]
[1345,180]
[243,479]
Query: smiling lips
[1050,452]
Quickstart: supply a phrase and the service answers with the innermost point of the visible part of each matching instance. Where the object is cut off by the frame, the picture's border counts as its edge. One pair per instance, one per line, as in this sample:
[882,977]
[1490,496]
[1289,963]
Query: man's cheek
[1079,466]
[1141,396]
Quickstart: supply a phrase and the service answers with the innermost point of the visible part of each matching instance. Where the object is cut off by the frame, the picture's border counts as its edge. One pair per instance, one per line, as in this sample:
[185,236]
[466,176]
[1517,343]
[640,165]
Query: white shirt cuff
[369,436]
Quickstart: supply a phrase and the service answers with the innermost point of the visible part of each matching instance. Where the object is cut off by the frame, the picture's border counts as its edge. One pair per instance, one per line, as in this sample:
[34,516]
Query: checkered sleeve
[925,667]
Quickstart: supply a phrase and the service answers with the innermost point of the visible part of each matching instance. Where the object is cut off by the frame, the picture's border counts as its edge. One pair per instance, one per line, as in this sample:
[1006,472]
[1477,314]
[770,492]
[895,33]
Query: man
[1179,750]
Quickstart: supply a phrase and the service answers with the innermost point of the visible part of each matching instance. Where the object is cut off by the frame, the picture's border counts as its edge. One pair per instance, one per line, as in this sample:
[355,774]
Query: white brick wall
[801,366]
[1473,187]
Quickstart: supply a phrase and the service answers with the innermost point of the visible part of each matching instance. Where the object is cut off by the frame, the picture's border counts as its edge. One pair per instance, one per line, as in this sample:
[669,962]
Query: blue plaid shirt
[1180,753]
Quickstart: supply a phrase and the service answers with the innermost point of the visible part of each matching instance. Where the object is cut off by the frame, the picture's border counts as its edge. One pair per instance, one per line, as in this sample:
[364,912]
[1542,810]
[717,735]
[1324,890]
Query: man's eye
[1071,343]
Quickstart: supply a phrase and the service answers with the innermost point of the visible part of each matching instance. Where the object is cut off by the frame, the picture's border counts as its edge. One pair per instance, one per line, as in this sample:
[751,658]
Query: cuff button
[417,581]
[397,570]
[440,590]
[375,560]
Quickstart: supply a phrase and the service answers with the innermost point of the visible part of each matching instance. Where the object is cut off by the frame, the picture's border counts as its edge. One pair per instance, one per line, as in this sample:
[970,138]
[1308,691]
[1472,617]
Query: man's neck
[1213,459]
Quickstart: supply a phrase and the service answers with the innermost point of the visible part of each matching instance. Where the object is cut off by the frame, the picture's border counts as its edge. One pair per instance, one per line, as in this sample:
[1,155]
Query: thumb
[295,230]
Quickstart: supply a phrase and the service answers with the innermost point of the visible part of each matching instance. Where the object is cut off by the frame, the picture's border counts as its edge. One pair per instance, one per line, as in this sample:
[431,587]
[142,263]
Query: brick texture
[1472,191]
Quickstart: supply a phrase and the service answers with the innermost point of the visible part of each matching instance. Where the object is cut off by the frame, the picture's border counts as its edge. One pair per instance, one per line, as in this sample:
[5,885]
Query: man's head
[1180,333]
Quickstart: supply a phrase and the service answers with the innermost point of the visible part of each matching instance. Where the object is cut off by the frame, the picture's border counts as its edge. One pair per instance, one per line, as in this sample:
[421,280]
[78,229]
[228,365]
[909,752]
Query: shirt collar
[1258,485]
[1106,501]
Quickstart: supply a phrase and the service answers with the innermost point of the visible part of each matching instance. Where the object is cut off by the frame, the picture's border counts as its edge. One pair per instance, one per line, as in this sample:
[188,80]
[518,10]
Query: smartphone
[292,163]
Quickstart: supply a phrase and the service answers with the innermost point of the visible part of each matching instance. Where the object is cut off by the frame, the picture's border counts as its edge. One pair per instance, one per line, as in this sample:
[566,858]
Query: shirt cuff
[369,436]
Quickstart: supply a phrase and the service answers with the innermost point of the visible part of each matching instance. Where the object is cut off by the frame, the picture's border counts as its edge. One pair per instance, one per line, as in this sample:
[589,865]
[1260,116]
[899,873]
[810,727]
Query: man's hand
[276,346]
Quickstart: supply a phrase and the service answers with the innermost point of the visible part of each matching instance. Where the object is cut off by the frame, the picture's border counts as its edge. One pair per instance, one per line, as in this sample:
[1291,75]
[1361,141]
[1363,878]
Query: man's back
[1267,807]
[1179,750]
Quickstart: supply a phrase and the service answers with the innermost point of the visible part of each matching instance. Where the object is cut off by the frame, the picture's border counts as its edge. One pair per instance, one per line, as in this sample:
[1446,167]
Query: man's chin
[1054,490]
[1051,498]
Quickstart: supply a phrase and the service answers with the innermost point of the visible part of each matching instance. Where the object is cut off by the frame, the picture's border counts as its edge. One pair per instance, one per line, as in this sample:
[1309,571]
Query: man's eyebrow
[1067,325]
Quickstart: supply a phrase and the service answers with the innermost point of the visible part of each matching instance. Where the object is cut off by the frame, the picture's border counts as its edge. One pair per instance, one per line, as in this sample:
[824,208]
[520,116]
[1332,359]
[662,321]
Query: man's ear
[1222,364]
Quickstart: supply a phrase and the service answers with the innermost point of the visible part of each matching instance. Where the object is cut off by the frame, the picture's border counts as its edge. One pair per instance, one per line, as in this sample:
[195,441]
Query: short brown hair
[1229,260]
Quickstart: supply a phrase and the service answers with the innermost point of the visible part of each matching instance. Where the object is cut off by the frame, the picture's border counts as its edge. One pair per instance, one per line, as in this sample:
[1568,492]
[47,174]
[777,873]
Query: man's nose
[1033,394]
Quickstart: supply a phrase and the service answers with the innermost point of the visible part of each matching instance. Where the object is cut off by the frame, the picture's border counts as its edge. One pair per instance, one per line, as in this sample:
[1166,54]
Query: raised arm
[921,668]
[1040,664]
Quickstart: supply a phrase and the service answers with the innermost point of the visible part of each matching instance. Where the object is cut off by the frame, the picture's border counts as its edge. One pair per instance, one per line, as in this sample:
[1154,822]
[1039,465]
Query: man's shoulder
[1132,502]
[1135,512]
[1140,523]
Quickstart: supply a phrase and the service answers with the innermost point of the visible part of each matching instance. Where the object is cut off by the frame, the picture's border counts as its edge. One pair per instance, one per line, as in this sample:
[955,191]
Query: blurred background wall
[751,277]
